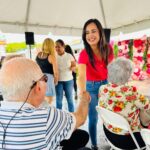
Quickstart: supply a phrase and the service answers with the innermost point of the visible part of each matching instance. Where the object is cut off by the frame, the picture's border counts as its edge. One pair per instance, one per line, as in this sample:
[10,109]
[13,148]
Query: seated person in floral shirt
[119,97]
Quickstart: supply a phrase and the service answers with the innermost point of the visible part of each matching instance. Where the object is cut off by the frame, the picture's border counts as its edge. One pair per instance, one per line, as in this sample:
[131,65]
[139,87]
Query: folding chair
[145,133]
[118,121]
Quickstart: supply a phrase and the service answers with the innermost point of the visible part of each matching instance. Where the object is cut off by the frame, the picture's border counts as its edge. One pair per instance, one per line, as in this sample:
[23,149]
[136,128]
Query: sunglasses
[43,78]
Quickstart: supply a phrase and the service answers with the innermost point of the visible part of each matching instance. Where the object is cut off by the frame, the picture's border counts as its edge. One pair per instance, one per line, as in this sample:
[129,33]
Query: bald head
[17,76]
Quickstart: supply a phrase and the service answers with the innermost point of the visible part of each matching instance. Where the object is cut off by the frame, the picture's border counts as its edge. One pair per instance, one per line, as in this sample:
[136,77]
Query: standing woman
[66,64]
[47,61]
[92,68]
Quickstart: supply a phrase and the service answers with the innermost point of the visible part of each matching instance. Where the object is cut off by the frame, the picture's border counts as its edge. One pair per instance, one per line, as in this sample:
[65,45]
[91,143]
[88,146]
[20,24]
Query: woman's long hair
[69,50]
[103,46]
[48,46]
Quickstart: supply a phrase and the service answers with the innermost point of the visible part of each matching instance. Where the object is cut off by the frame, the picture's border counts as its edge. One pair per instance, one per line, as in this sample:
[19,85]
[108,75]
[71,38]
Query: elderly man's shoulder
[46,107]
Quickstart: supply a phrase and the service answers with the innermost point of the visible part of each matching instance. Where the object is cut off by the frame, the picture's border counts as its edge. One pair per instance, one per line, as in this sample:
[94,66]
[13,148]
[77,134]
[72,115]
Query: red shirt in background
[92,74]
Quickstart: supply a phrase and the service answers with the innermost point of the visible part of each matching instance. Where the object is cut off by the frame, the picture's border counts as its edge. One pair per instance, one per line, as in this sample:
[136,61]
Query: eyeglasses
[43,78]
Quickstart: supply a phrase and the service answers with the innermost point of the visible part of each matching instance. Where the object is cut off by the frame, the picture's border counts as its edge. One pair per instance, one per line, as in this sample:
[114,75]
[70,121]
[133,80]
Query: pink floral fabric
[126,101]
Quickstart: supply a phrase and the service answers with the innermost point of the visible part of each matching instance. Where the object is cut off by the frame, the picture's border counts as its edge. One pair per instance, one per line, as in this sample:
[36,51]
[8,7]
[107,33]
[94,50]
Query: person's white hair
[17,76]
[120,70]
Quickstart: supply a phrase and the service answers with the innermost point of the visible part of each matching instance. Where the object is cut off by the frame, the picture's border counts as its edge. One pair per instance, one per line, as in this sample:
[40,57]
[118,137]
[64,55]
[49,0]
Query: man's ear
[37,87]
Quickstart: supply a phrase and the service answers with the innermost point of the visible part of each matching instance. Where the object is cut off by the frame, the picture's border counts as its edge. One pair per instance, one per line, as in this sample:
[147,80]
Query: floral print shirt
[124,100]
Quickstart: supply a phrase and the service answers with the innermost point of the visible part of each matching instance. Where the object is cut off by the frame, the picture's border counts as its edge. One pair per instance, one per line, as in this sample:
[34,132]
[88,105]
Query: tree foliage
[15,47]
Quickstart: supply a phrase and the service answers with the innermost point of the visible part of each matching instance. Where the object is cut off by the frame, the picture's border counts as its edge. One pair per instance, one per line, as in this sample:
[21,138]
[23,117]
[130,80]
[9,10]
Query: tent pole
[30,51]
[27,15]
[103,13]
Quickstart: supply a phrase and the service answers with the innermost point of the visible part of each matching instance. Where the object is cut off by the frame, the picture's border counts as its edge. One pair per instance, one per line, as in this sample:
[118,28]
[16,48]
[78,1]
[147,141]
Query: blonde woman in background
[47,61]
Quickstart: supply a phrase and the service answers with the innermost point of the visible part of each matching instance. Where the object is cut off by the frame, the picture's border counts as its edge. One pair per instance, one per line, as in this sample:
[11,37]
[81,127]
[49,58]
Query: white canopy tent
[67,17]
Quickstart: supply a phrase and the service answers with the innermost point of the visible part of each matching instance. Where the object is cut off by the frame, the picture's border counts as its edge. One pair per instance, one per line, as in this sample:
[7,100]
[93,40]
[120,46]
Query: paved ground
[102,144]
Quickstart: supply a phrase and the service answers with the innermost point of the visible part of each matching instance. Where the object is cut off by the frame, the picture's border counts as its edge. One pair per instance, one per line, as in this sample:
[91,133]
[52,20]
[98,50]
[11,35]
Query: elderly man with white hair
[23,125]
[119,97]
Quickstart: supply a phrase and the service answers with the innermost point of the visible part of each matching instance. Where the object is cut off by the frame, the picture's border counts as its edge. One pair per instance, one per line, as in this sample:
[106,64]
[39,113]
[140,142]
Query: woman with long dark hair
[92,68]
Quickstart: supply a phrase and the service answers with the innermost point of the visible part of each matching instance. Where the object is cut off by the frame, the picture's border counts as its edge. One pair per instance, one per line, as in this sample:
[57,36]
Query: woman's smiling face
[92,34]
[59,48]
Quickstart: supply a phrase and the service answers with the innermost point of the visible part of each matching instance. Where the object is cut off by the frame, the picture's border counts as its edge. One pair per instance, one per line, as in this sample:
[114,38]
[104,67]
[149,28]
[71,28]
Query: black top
[44,64]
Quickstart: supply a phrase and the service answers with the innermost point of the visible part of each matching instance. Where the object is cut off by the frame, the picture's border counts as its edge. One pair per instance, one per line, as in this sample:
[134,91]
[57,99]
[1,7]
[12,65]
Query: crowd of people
[28,118]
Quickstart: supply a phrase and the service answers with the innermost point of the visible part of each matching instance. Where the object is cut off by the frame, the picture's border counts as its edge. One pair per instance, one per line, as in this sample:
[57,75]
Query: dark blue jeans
[67,87]
[93,88]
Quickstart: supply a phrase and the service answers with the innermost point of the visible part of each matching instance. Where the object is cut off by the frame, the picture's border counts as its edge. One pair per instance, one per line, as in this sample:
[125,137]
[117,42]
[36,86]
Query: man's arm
[82,110]
[81,80]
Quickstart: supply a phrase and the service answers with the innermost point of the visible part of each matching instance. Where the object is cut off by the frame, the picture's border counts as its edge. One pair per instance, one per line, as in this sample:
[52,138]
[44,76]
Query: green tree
[15,47]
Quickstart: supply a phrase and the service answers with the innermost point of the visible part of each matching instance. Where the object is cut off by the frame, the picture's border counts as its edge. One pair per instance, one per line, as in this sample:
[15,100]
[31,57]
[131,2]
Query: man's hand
[82,109]
[85,97]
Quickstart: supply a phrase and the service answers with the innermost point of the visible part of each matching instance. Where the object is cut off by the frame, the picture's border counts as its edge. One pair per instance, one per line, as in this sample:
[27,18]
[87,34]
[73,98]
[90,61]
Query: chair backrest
[145,133]
[115,120]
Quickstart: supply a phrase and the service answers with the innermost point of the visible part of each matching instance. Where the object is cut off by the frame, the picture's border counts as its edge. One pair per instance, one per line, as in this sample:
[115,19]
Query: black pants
[124,141]
[1,97]
[75,81]
[78,139]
